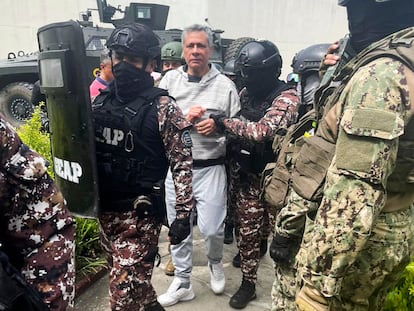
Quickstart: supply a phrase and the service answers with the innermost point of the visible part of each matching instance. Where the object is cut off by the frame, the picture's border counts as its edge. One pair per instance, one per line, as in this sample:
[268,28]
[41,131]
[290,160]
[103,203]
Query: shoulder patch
[186,139]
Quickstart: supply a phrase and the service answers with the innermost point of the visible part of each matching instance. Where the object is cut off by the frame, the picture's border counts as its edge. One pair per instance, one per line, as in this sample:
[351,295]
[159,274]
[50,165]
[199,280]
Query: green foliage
[401,298]
[88,256]
[32,135]
[88,249]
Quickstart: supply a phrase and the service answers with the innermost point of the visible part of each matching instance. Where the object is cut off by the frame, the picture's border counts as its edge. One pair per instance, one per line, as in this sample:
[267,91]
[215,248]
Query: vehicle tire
[15,102]
[235,47]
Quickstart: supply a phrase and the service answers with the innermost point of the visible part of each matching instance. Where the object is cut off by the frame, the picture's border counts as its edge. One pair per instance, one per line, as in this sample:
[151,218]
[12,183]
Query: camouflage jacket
[373,113]
[174,130]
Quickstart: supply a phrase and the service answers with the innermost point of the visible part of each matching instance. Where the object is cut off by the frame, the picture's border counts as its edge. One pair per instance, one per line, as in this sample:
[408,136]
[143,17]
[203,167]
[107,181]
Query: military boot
[246,293]
[155,306]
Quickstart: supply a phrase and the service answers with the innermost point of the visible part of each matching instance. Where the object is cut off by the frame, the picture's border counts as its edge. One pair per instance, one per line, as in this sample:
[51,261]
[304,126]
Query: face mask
[307,87]
[260,82]
[369,21]
[130,81]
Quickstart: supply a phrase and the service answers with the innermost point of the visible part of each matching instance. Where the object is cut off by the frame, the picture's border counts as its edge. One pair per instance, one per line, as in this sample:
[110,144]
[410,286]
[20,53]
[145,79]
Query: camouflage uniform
[252,213]
[362,231]
[38,230]
[290,222]
[130,241]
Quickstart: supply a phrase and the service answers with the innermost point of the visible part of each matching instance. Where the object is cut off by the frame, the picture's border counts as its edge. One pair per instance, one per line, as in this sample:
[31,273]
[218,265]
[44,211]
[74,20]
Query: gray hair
[104,55]
[198,27]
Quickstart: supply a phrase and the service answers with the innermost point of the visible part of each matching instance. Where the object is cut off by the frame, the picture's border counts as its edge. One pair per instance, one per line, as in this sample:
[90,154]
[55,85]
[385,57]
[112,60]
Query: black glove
[282,249]
[218,120]
[179,230]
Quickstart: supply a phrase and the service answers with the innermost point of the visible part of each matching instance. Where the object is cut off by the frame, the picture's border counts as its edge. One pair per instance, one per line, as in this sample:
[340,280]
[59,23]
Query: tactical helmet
[172,51]
[257,55]
[229,68]
[134,39]
[309,58]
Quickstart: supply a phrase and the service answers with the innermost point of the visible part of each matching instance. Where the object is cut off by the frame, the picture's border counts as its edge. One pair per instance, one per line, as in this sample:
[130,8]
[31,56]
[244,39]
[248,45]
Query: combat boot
[237,260]
[246,293]
[155,306]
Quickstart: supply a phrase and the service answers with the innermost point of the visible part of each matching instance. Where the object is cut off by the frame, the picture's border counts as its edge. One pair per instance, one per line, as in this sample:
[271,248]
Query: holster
[151,203]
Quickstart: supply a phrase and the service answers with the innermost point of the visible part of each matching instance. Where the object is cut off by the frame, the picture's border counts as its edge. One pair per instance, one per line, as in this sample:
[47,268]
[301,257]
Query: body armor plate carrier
[130,153]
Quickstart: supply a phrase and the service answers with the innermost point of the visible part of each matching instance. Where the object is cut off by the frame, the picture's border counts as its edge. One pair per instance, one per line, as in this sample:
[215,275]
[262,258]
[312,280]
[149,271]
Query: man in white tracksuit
[200,90]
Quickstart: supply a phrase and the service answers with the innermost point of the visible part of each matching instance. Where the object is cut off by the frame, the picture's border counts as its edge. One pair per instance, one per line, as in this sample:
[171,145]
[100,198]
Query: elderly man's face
[196,52]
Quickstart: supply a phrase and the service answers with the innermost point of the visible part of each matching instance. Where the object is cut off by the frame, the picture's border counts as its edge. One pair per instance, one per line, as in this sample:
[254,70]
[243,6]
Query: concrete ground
[96,297]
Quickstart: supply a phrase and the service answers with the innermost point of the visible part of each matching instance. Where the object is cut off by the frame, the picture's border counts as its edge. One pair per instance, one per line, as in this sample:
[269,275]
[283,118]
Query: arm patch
[186,139]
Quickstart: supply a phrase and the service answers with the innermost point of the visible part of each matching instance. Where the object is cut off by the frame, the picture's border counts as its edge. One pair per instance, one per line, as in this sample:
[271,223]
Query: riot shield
[64,81]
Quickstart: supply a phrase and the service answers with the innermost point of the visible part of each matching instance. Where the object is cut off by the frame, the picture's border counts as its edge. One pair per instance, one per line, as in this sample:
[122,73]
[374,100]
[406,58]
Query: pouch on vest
[276,177]
[312,164]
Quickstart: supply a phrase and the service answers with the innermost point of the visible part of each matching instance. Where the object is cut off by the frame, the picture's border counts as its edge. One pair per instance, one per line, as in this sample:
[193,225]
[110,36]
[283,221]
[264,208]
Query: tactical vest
[253,156]
[302,159]
[130,153]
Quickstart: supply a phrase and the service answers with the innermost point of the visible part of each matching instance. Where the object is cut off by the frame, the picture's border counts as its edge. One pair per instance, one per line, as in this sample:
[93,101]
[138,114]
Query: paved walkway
[96,297]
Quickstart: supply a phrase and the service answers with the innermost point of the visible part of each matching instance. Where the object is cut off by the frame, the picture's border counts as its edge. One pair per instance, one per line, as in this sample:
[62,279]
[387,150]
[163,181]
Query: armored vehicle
[19,72]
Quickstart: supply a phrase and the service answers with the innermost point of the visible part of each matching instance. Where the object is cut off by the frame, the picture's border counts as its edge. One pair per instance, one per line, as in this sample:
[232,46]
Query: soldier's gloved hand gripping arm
[174,129]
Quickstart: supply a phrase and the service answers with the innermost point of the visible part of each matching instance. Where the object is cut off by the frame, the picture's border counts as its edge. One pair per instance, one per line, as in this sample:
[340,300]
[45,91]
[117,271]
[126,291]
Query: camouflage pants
[130,244]
[254,215]
[290,221]
[234,185]
[377,268]
[40,239]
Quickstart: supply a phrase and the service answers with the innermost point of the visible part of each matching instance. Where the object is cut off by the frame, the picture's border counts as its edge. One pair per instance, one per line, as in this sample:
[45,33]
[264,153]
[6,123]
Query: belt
[208,162]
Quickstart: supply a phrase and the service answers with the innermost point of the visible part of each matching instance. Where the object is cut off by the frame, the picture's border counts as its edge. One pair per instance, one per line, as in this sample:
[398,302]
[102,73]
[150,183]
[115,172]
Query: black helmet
[134,39]
[309,58]
[258,55]
[229,69]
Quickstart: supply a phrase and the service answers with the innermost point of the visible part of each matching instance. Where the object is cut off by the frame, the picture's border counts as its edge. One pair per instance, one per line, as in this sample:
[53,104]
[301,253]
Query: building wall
[290,24]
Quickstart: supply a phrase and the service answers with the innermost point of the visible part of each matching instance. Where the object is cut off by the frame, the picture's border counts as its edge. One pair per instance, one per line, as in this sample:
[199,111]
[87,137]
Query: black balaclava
[129,81]
[260,82]
[370,21]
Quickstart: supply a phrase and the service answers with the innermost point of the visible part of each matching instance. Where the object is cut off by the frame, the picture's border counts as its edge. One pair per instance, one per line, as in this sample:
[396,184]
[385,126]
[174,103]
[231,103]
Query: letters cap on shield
[134,39]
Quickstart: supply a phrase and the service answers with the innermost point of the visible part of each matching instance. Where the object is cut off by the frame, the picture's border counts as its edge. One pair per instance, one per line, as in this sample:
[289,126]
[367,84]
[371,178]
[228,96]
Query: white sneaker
[175,294]
[217,279]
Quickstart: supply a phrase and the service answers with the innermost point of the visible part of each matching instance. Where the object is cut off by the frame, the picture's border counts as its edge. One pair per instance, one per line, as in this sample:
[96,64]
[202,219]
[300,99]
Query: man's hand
[282,249]
[330,58]
[205,127]
[309,298]
[195,113]
[179,230]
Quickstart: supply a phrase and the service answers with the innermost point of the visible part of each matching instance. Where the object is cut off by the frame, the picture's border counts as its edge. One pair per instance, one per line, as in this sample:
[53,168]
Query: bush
[32,135]
[401,298]
[88,255]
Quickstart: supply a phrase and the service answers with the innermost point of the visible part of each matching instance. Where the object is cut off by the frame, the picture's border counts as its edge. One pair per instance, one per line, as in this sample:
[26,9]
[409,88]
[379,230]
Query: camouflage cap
[172,51]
